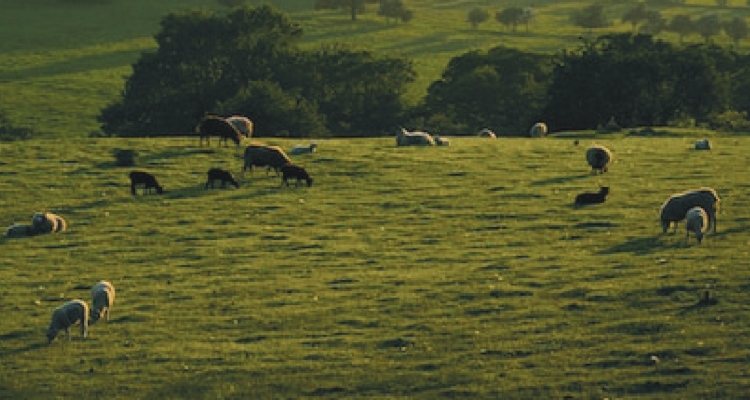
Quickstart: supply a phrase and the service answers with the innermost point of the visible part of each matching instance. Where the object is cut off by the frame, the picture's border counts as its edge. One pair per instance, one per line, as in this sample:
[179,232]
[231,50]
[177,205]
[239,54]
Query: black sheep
[148,181]
[217,174]
[291,171]
[264,156]
[592,198]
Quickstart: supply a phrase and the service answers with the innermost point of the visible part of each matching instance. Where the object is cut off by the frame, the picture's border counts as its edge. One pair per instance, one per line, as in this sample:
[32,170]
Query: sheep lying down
[67,315]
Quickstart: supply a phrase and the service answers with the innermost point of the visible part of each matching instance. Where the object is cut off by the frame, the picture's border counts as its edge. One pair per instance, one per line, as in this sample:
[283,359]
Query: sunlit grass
[403,272]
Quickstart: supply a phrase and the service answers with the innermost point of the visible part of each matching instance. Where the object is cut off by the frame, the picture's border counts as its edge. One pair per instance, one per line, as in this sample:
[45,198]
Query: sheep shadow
[638,246]
[559,180]
[21,335]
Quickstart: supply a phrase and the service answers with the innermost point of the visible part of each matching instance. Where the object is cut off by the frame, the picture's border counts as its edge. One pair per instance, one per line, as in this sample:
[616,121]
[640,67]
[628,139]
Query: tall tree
[682,25]
[591,17]
[635,16]
[509,17]
[708,26]
[355,7]
[737,30]
[501,88]
[477,16]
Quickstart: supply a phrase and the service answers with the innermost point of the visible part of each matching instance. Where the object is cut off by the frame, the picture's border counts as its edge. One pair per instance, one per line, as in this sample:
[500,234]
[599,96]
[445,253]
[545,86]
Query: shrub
[9,132]
[731,121]
[125,157]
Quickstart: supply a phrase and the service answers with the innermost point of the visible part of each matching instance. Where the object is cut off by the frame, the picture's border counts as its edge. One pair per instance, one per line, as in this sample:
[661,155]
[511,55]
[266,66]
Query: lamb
[44,222]
[539,129]
[675,208]
[102,300]
[703,145]
[297,172]
[598,158]
[265,156]
[148,181]
[406,138]
[217,174]
[67,315]
[592,198]
[696,221]
[300,149]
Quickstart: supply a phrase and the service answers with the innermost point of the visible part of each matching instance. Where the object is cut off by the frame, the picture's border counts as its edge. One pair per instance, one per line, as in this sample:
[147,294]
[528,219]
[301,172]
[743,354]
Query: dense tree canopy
[205,61]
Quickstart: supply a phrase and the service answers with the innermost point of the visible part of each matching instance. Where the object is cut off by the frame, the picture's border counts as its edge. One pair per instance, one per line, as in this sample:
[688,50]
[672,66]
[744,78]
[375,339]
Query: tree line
[247,62]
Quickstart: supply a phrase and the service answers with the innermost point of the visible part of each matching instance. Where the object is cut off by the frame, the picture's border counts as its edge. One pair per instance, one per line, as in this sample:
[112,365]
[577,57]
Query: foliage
[502,88]
[731,121]
[205,60]
[476,16]
[590,18]
[737,29]
[275,112]
[510,17]
[683,25]
[708,26]
[395,9]
[355,7]
[638,81]
[125,157]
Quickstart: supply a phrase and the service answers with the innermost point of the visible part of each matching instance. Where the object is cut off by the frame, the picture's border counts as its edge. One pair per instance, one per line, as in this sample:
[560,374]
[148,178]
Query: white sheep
[539,129]
[102,300]
[242,124]
[675,208]
[45,222]
[486,133]
[703,145]
[406,138]
[696,221]
[442,141]
[68,314]
[598,158]
[301,149]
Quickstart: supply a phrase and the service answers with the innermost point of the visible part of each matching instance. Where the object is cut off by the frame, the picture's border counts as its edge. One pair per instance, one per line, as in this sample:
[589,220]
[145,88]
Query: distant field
[60,64]
[420,273]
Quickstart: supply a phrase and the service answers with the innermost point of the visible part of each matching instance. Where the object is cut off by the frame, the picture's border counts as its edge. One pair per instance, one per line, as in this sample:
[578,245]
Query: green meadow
[403,273]
[62,62]
[441,272]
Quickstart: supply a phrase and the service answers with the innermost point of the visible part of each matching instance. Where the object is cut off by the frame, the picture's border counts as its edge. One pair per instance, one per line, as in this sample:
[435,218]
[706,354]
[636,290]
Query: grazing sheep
[19,230]
[300,149]
[442,141]
[291,171]
[591,197]
[148,181]
[242,124]
[675,208]
[217,174]
[486,133]
[44,222]
[213,125]
[102,300]
[67,315]
[598,158]
[696,221]
[264,156]
[539,129]
[703,145]
[406,138]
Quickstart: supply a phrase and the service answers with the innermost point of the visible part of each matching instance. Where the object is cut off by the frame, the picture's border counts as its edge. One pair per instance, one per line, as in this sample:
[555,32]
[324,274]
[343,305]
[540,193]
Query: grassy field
[421,273]
[61,64]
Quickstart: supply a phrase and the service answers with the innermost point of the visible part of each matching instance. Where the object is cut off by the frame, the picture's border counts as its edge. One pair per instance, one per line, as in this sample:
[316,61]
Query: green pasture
[61,63]
[420,273]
